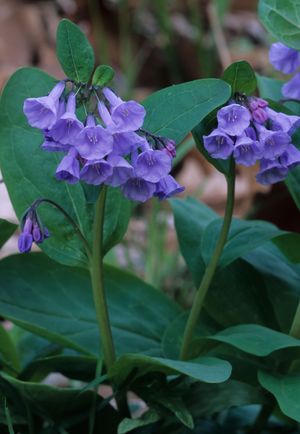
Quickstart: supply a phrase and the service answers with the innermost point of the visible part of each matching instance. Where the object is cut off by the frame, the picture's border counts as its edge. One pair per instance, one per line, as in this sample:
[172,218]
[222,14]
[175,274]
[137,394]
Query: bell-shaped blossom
[167,187]
[274,142]
[291,157]
[247,151]
[121,171]
[138,189]
[152,165]
[283,58]
[283,122]
[32,231]
[96,172]
[42,112]
[218,144]
[233,119]
[126,116]
[93,142]
[68,126]
[291,89]
[271,171]
[126,143]
[69,168]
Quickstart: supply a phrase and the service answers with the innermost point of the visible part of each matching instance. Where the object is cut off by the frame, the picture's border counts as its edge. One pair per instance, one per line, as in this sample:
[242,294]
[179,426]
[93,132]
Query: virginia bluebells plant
[109,147]
[287,60]
[249,131]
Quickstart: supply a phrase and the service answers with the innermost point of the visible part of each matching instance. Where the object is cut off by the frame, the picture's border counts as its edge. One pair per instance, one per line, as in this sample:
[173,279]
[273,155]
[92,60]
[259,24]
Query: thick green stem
[96,270]
[211,268]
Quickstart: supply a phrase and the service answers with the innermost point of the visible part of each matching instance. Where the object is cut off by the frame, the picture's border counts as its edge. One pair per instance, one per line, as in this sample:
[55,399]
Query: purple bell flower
[271,171]
[96,172]
[32,231]
[233,119]
[93,142]
[126,143]
[42,112]
[218,144]
[291,157]
[68,126]
[247,151]
[274,142]
[283,122]
[167,187]
[121,171]
[138,189]
[69,168]
[170,147]
[152,165]
[283,58]
[291,89]
[26,239]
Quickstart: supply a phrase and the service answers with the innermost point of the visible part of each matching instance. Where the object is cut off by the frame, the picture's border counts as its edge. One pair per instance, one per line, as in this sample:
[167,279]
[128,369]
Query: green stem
[211,268]
[96,271]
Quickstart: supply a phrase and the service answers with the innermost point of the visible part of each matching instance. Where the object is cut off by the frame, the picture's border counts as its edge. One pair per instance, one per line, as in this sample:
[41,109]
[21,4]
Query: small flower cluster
[250,131]
[32,230]
[109,147]
[287,60]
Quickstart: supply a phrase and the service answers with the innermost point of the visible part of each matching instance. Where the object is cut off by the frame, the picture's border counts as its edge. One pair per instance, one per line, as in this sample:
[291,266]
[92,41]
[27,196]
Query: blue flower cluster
[250,131]
[109,148]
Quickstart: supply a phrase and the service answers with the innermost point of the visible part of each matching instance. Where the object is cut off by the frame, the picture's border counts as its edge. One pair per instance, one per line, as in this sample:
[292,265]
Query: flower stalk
[96,271]
[211,268]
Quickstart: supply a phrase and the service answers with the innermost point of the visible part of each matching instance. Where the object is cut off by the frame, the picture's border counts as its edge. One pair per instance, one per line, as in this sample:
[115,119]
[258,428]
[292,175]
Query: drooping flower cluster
[32,230]
[109,147]
[250,131]
[287,60]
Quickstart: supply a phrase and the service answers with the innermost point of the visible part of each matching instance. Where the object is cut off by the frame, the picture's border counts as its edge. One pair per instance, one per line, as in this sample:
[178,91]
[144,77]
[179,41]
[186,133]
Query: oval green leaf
[74,52]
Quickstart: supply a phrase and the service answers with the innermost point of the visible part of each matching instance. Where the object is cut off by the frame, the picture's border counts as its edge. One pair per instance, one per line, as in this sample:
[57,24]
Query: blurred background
[152,44]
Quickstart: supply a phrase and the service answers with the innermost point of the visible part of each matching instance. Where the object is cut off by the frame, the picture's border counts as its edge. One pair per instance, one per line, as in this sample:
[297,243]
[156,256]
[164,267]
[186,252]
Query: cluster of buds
[32,229]
[109,147]
[250,131]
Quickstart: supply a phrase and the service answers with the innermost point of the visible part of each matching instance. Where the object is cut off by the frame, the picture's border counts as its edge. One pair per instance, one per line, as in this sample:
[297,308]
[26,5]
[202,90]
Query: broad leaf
[243,237]
[191,218]
[128,425]
[103,75]
[6,231]
[241,77]
[289,244]
[282,20]
[174,111]
[28,178]
[206,369]
[74,52]
[53,402]
[255,339]
[286,389]
[8,351]
[56,302]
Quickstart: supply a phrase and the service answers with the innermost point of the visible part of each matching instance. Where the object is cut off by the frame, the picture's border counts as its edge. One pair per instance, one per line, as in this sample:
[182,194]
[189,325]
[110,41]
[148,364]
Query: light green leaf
[74,52]
[7,229]
[103,75]
[207,369]
[286,389]
[174,111]
[128,425]
[282,20]
[255,339]
[56,302]
[241,77]
[243,237]
[8,351]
